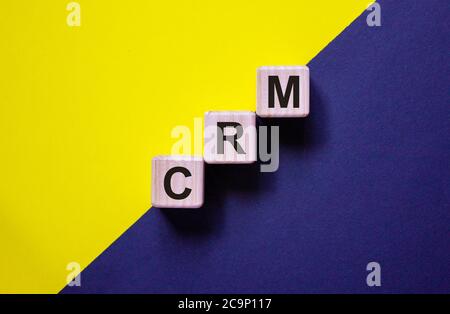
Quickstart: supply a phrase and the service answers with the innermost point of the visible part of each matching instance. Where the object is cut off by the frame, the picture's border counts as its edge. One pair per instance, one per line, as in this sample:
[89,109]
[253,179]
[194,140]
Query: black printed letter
[283,99]
[168,178]
[232,139]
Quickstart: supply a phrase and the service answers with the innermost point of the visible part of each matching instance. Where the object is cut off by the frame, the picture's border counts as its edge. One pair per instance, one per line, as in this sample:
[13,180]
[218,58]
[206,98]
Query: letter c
[168,187]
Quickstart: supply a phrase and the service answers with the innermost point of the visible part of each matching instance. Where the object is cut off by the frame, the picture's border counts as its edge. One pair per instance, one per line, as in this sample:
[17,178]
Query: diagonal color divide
[363,179]
[84,109]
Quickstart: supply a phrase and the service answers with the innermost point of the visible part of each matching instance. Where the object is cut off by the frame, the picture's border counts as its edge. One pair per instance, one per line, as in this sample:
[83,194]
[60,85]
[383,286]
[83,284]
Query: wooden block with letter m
[282,91]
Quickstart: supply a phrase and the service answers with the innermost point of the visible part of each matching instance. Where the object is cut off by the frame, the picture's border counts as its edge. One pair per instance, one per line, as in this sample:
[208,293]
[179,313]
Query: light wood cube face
[177,182]
[230,137]
[282,91]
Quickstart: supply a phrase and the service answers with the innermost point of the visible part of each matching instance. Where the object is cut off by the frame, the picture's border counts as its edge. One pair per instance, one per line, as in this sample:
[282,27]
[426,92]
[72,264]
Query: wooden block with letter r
[177,182]
[230,137]
[282,91]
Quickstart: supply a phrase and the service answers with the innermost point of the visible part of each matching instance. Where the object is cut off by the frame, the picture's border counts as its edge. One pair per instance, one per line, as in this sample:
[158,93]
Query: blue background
[364,178]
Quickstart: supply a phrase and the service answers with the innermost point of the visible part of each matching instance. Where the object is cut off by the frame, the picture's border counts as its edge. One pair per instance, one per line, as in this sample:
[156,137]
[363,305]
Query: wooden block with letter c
[177,182]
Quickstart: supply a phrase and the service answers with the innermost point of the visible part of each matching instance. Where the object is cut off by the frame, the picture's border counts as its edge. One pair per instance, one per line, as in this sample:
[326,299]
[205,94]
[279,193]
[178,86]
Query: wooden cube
[177,182]
[282,91]
[230,137]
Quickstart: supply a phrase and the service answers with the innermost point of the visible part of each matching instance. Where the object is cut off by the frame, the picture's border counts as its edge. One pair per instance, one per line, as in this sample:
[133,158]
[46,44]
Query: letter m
[283,98]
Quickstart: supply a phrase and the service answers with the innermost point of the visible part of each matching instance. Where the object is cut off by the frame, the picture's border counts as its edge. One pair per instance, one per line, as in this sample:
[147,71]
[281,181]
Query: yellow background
[84,109]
